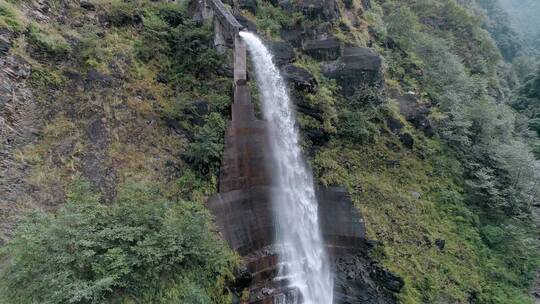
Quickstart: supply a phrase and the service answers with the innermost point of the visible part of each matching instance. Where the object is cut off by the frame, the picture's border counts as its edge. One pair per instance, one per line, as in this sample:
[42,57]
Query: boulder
[162,77]
[387,279]
[301,79]
[173,124]
[357,67]
[249,5]
[326,10]
[366,4]
[414,112]
[323,49]
[96,79]
[440,243]
[283,52]
[407,140]
[394,124]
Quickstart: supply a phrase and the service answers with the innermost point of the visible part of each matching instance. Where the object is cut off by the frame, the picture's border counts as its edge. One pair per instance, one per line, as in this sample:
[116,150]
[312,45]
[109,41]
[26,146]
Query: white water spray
[302,257]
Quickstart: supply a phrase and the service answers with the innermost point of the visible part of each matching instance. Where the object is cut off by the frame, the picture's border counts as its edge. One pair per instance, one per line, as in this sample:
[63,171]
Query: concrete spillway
[245,206]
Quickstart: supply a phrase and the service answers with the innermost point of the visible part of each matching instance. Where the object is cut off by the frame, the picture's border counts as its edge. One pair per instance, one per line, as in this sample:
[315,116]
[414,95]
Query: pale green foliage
[476,125]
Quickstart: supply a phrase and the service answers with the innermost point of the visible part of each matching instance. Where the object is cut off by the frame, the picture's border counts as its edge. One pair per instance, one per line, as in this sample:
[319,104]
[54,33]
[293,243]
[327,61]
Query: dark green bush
[204,153]
[124,13]
[143,246]
[356,126]
[183,48]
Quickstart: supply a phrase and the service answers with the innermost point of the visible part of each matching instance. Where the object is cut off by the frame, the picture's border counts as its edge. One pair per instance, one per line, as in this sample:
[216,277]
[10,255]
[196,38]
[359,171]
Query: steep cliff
[110,106]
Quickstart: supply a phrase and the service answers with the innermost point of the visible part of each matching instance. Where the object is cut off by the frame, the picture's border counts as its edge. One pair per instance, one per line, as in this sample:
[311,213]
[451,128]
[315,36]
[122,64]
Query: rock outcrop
[326,10]
[323,49]
[19,121]
[355,68]
[414,111]
[283,52]
[300,78]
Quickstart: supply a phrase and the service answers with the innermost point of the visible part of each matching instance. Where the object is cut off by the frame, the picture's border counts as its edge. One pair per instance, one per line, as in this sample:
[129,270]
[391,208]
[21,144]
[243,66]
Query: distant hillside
[525,16]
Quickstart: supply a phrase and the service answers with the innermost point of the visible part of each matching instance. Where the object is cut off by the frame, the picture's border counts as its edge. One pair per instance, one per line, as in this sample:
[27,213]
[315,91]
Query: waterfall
[303,261]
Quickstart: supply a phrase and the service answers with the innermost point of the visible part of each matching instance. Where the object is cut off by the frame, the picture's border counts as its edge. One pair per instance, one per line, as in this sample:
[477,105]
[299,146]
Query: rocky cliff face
[118,91]
[20,121]
[63,118]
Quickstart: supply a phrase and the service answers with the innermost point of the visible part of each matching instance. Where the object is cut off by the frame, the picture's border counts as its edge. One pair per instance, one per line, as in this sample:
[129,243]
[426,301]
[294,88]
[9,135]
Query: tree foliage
[144,246]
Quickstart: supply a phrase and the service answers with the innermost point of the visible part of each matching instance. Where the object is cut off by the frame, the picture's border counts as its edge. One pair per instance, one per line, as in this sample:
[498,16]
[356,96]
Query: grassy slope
[384,177]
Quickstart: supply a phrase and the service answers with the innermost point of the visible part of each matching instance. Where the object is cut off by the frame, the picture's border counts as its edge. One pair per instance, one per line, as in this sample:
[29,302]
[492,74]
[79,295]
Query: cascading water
[302,256]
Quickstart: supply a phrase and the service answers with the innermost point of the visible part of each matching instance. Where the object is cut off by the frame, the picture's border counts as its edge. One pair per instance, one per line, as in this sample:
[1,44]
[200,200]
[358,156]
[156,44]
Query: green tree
[143,246]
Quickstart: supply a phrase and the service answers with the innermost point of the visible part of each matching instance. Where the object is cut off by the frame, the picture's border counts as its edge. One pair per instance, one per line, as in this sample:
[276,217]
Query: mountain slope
[124,103]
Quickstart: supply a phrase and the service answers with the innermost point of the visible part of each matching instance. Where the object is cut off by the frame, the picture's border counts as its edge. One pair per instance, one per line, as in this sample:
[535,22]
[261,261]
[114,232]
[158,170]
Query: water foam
[303,260]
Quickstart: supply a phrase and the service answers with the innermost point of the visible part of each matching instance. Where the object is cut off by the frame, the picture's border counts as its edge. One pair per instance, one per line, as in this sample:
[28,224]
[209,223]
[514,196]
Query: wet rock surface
[293,35]
[358,281]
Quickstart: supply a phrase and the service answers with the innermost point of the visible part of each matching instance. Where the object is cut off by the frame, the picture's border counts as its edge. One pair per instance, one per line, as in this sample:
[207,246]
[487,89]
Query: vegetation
[49,45]
[144,247]
[139,109]
[152,240]
[477,176]
[10,17]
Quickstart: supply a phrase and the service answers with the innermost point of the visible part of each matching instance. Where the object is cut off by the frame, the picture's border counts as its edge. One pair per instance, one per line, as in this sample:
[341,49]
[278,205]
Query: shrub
[357,126]
[188,48]
[45,44]
[143,246]
[205,152]
[123,13]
